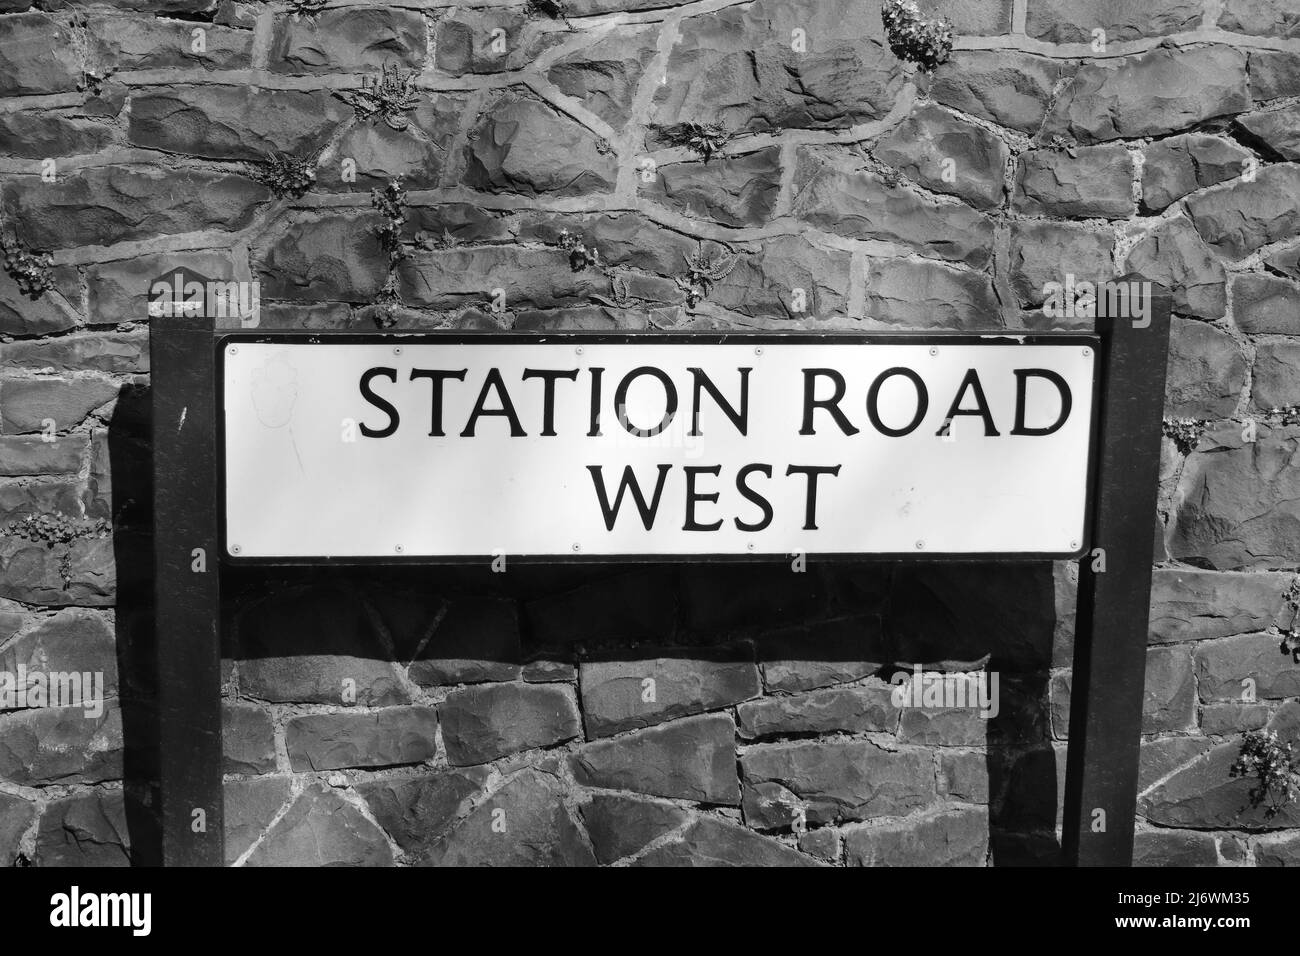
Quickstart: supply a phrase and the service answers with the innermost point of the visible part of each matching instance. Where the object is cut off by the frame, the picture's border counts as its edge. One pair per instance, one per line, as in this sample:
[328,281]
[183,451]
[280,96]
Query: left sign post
[187,613]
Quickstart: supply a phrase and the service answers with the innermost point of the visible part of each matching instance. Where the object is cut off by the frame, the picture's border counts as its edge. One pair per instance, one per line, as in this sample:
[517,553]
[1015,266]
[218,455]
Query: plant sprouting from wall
[307,8]
[286,176]
[925,41]
[702,272]
[1184,432]
[1062,144]
[555,9]
[620,293]
[387,302]
[1290,634]
[56,528]
[390,203]
[30,270]
[1275,768]
[703,138]
[891,177]
[580,257]
[388,96]
[447,240]
[92,68]
[1283,415]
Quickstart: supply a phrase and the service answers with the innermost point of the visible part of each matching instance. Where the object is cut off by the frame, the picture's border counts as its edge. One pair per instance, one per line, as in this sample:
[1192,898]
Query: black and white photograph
[821,434]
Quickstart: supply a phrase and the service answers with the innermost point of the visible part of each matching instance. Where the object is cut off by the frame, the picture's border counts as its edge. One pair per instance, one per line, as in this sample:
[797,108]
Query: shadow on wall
[791,671]
[131,467]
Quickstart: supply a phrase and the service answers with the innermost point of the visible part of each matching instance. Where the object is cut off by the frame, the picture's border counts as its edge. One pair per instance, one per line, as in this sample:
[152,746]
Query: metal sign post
[187,589]
[223,408]
[1115,593]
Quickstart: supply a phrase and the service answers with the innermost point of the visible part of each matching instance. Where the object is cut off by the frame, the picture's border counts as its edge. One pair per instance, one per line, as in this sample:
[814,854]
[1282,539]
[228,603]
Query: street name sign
[454,447]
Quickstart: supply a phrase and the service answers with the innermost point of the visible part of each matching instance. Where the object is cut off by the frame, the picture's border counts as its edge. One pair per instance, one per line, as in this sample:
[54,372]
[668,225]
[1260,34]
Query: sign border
[837,337]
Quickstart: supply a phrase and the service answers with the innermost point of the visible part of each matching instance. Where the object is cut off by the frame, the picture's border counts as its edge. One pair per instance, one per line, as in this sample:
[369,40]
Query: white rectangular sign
[571,446]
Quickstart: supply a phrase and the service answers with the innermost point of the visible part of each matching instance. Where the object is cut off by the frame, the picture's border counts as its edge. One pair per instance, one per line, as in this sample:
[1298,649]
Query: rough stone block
[61,745]
[826,711]
[1275,379]
[315,646]
[248,739]
[485,722]
[321,828]
[1236,505]
[1224,665]
[382,738]
[1266,304]
[1174,256]
[27,403]
[620,826]
[233,122]
[833,191]
[1237,219]
[689,759]
[1206,371]
[710,842]
[735,190]
[103,205]
[87,829]
[416,811]
[947,154]
[348,40]
[250,806]
[1183,164]
[683,681]
[1086,182]
[525,823]
[1162,91]
[526,147]
[832,782]
[952,838]
[476,641]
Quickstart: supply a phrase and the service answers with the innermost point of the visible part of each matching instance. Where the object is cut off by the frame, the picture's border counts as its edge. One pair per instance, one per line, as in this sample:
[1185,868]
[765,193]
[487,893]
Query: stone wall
[462,716]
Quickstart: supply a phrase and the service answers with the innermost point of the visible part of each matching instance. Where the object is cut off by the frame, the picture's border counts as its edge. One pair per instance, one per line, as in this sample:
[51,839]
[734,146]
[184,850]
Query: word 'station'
[419,447]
